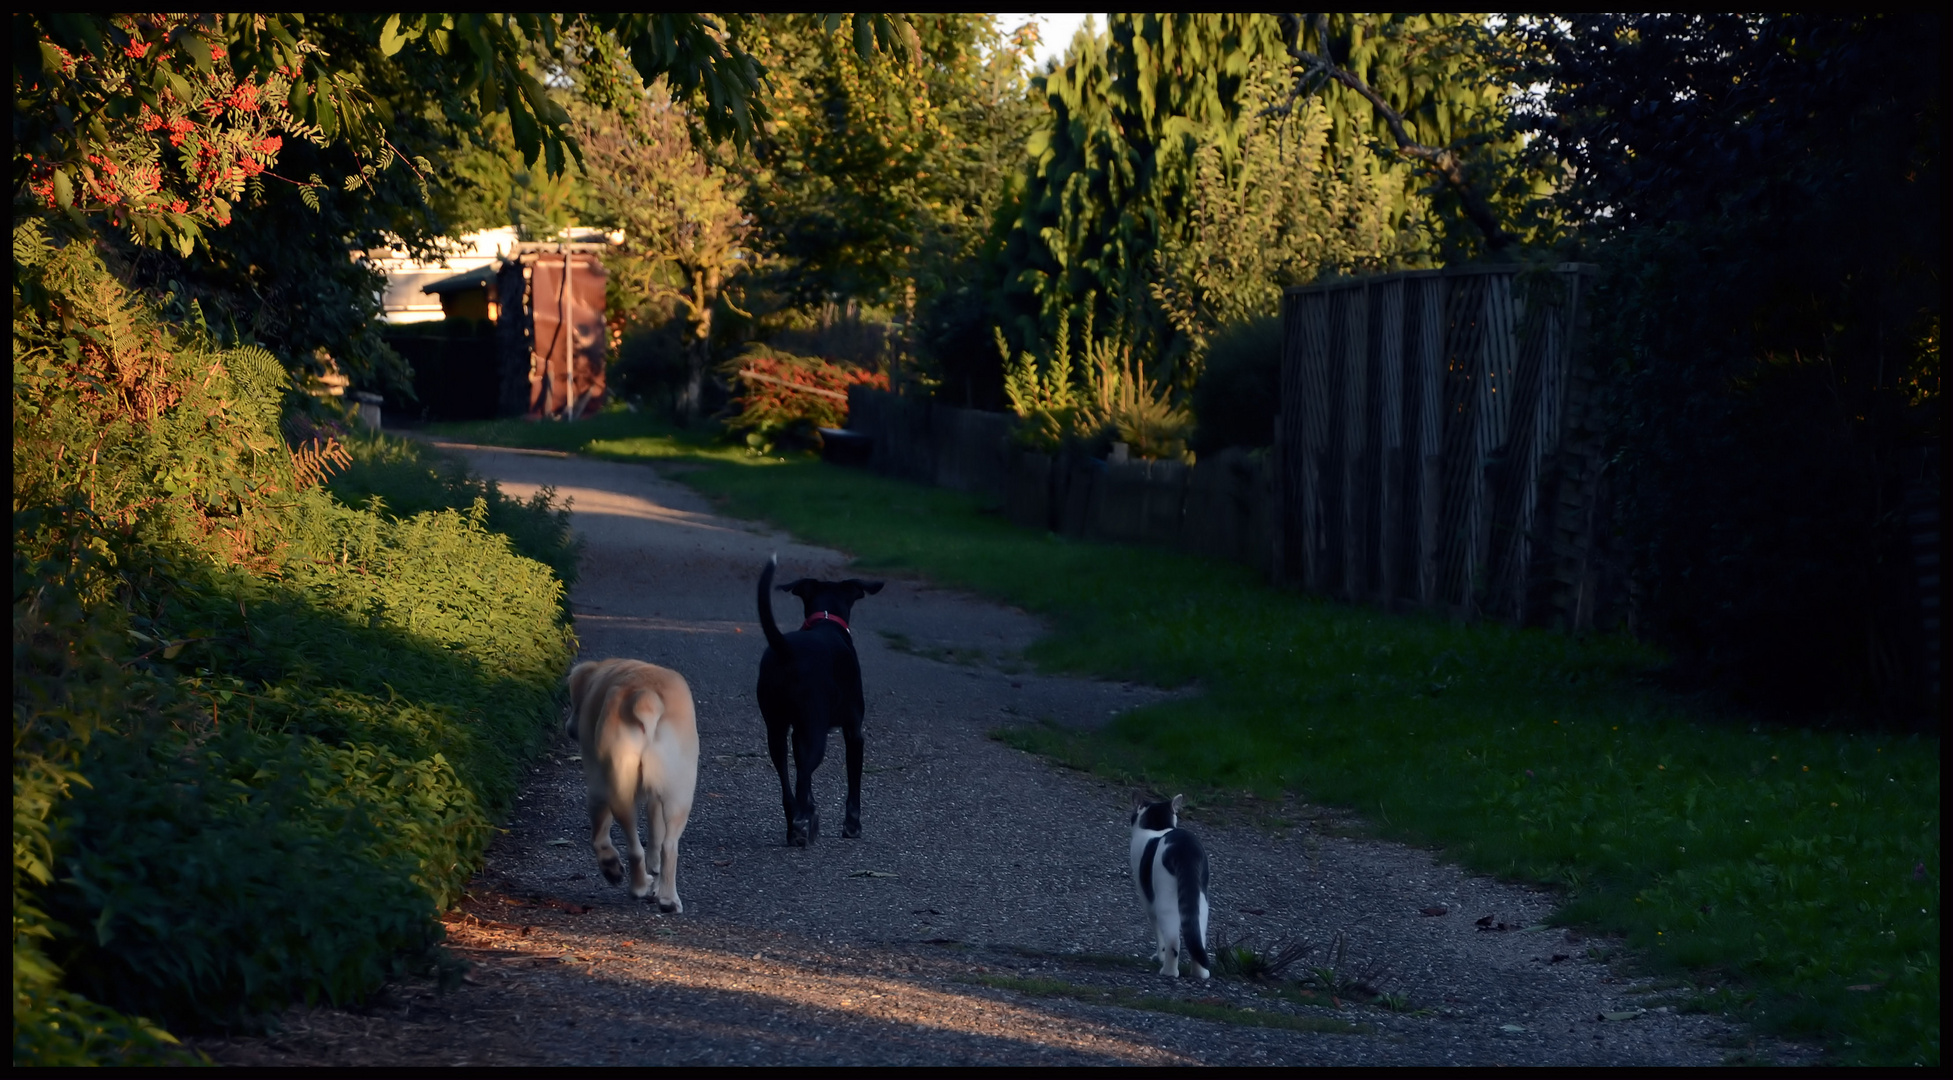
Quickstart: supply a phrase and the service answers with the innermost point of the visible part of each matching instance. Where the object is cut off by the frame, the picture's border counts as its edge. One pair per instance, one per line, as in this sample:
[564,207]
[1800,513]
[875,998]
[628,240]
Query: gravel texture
[986,916]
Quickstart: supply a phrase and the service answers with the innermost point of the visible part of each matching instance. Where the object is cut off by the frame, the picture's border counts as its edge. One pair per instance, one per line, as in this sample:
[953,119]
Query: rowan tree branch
[1441,160]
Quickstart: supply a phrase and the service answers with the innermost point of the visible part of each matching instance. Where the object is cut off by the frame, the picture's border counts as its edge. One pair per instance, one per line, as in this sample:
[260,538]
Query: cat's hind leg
[1166,928]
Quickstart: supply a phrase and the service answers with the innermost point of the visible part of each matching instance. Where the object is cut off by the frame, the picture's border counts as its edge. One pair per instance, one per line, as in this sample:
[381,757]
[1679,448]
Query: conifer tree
[1111,176]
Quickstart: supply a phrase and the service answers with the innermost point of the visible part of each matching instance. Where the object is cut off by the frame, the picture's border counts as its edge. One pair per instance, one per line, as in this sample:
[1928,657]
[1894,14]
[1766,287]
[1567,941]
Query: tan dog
[639,733]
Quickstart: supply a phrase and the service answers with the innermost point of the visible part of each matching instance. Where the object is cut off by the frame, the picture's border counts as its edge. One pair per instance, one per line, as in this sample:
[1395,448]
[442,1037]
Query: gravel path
[985,917]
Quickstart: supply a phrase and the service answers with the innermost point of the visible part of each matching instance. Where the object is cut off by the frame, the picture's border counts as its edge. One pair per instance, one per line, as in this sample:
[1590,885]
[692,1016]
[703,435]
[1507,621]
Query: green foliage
[179,865]
[953,279]
[409,479]
[1765,195]
[1454,79]
[61,1029]
[876,187]
[259,737]
[149,121]
[1275,210]
[394,126]
[53,1026]
[90,89]
[1107,395]
[686,237]
[1240,387]
[866,162]
[1109,170]
[1176,187]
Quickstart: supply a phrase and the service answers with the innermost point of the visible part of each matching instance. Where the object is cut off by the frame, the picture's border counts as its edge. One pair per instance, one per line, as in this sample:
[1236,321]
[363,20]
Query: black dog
[810,681]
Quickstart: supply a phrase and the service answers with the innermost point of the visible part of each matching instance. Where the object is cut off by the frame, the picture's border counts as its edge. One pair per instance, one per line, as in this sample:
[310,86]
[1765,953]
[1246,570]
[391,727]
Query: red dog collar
[822,616]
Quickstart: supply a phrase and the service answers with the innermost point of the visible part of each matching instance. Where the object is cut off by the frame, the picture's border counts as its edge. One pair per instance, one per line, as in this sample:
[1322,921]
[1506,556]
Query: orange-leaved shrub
[783,397]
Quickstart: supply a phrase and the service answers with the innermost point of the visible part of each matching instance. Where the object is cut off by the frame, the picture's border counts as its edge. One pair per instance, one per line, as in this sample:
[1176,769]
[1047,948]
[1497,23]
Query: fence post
[1386,442]
[1278,524]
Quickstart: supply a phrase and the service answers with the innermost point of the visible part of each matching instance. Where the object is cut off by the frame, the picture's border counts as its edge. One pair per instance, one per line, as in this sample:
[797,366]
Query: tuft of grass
[1241,959]
[1798,870]
[1198,1010]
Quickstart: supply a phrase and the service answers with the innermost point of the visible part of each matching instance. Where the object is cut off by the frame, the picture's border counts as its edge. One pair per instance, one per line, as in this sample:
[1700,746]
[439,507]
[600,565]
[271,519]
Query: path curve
[985,917]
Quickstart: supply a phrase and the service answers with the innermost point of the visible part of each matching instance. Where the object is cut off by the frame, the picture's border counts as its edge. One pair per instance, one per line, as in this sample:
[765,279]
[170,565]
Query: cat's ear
[1138,801]
[1177,800]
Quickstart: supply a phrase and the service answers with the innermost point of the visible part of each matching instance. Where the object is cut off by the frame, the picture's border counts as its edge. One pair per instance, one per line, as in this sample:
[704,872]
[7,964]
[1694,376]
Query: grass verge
[1795,871]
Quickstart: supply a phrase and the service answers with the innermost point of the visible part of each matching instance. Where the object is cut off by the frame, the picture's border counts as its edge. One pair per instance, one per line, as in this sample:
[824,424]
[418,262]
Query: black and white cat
[1170,871]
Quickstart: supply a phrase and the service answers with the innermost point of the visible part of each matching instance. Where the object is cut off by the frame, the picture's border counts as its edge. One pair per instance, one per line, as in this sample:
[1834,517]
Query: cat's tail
[767,626]
[1192,881]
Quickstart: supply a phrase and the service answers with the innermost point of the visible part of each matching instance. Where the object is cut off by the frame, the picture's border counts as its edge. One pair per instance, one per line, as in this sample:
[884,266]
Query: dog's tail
[632,704]
[647,707]
[773,635]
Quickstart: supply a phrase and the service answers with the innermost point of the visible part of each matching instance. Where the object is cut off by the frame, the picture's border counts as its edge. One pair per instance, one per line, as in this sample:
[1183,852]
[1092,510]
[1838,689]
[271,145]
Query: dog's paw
[673,906]
[851,830]
[613,870]
[641,889]
[804,831]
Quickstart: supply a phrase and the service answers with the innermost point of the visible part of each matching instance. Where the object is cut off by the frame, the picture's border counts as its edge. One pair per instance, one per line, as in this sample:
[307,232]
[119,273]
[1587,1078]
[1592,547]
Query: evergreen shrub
[1240,388]
[260,736]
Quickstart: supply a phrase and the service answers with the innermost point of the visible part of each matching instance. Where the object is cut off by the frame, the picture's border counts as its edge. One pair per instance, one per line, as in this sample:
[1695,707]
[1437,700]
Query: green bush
[219,882]
[260,737]
[409,478]
[1240,388]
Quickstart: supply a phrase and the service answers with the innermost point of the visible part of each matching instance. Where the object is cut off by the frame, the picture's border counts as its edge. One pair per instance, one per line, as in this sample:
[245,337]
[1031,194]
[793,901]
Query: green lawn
[1792,876]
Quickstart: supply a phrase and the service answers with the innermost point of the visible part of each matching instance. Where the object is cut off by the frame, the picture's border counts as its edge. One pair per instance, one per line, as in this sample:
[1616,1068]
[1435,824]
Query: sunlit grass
[618,435]
[1795,872]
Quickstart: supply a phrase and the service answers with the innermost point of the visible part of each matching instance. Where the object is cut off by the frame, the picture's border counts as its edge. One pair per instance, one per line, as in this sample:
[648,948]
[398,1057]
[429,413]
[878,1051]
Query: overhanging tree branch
[1441,160]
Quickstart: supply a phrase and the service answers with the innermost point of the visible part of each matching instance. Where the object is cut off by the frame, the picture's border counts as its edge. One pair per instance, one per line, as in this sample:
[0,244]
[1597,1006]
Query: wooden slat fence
[1432,444]
[1220,507]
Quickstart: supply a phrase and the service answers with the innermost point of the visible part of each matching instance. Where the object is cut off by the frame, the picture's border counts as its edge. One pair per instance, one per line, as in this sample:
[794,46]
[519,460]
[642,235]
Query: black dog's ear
[863,588]
[798,588]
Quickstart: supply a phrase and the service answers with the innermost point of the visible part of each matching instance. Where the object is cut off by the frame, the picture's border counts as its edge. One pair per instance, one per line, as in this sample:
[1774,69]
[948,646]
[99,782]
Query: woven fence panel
[1423,416]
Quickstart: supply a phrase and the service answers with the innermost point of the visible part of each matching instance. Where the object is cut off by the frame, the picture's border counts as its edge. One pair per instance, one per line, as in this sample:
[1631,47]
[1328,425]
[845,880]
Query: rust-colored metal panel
[566,341]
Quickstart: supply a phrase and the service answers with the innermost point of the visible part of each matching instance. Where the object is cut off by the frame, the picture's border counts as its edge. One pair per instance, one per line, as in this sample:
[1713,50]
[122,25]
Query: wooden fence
[1434,446]
[1220,507]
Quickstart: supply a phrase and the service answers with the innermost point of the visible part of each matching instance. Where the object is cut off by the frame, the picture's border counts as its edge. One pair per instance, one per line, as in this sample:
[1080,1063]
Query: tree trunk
[699,346]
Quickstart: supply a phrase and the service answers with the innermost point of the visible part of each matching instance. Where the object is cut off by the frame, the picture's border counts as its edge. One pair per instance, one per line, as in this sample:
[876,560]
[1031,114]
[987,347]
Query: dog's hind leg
[668,819]
[855,740]
[776,747]
[600,815]
[640,868]
[809,748]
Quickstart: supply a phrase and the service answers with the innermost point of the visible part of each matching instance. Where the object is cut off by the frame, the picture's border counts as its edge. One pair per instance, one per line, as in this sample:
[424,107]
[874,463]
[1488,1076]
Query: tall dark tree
[1768,198]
